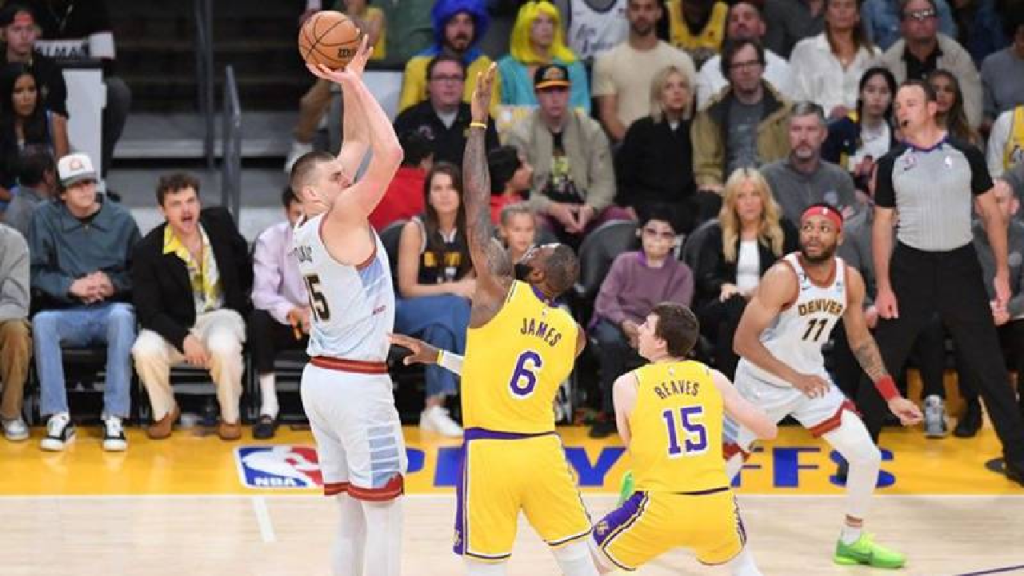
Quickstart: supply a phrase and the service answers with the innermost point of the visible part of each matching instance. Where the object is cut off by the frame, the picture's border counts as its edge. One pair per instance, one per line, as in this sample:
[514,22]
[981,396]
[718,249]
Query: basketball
[329,38]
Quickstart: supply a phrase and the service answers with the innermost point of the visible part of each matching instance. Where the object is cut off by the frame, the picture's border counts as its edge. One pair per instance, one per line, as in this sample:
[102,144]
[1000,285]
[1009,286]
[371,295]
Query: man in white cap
[81,255]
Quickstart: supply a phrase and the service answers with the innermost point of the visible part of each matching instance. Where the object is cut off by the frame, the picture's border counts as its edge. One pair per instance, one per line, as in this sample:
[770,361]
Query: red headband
[830,213]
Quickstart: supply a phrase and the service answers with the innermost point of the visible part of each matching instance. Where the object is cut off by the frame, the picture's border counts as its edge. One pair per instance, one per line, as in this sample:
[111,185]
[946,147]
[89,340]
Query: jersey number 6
[690,419]
[524,377]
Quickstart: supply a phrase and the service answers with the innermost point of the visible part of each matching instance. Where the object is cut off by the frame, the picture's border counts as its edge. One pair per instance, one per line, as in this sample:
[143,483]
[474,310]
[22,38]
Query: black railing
[231,147]
[204,74]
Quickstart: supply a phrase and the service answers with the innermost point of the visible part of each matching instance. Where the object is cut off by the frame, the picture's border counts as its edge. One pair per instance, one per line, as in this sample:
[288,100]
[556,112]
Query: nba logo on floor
[286,467]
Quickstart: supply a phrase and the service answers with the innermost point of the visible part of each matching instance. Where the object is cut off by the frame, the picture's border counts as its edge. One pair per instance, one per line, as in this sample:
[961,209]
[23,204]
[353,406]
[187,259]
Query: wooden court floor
[189,506]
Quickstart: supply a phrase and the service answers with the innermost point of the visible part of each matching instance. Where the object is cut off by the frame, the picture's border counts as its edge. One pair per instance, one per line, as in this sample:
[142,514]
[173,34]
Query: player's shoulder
[889,158]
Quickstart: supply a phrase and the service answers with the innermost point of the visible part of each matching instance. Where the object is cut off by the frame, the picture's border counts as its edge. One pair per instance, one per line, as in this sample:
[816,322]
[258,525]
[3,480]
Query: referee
[931,180]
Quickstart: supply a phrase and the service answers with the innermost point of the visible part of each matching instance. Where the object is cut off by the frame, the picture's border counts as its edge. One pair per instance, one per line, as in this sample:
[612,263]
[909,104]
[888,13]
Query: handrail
[203,11]
[231,151]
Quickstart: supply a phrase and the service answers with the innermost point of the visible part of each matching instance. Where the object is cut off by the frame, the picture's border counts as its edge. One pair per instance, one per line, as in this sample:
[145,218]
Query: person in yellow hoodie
[458,27]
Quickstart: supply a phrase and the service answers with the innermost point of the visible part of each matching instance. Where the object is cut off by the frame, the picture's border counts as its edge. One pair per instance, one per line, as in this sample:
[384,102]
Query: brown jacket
[710,130]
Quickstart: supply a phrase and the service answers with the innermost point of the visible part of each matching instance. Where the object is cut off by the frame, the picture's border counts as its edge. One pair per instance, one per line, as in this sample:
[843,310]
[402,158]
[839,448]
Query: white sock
[852,440]
[848,535]
[574,559]
[268,391]
[743,564]
[347,554]
[384,537]
[477,568]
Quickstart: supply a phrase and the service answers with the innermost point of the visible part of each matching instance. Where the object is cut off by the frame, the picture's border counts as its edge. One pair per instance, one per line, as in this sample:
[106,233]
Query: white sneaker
[436,419]
[15,430]
[59,433]
[935,417]
[113,435]
[297,151]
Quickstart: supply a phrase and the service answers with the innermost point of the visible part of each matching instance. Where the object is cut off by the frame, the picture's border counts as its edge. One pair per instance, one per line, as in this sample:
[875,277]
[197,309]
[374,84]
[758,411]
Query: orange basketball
[329,38]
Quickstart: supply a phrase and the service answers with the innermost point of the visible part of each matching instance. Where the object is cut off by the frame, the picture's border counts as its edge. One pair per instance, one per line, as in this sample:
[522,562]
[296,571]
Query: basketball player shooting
[779,339]
[346,389]
[519,348]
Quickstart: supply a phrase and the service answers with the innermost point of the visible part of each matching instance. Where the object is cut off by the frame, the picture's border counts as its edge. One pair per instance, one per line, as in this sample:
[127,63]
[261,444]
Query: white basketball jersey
[799,331]
[353,307]
[592,32]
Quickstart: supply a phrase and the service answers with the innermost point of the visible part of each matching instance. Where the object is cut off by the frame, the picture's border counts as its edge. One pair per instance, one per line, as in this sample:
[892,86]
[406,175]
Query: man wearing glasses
[882,19]
[443,118]
[923,49]
[744,125]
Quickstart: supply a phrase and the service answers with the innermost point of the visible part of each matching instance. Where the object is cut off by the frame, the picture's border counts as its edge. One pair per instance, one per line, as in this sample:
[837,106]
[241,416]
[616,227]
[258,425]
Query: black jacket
[713,270]
[162,290]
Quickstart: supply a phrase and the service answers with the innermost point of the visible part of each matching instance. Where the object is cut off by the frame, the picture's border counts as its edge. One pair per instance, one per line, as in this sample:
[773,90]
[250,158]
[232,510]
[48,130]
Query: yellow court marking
[195,462]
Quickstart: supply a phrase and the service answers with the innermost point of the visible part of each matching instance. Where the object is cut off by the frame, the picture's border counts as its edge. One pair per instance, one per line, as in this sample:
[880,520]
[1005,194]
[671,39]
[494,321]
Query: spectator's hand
[812,385]
[299,318]
[886,304]
[563,213]
[908,412]
[422,353]
[1000,315]
[632,331]
[728,291]
[105,287]
[864,167]
[465,288]
[480,102]
[86,289]
[871,317]
[195,353]
[838,112]
[1001,283]
[584,215]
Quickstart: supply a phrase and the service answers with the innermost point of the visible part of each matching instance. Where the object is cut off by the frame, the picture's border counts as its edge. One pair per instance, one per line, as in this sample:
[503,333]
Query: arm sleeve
[885,196]
[682,286]
[603,83]
[267,277]
[149,306]
[997,143]
[981,181]
[607,303]
[14,286]
[601,189]
[46,275]
[122,278]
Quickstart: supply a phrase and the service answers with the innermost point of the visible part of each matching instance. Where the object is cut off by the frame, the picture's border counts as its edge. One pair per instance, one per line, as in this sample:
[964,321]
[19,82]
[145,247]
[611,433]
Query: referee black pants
[950,284]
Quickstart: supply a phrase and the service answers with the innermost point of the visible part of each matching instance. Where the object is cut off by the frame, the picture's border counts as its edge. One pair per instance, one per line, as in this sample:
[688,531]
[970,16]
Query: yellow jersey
[710,37]
[676,429]
[515,363]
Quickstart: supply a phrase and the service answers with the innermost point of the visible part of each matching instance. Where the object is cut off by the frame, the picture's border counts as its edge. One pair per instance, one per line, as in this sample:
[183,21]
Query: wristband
[450,362]
[480,125]
[886,386]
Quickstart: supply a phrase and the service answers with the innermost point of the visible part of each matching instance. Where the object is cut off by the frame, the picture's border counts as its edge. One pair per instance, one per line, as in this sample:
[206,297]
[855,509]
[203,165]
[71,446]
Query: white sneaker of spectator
[436,419]
[59,433]
[298,150]
[15,430]
[935,417]
[113,435]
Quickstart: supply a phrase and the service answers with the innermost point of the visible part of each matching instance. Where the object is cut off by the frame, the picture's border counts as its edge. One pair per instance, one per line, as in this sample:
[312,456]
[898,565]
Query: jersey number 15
[695,435]
[317,300]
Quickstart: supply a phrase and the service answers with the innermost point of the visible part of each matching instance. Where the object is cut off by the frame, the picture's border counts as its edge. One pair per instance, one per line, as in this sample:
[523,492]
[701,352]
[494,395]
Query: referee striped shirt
[933,190]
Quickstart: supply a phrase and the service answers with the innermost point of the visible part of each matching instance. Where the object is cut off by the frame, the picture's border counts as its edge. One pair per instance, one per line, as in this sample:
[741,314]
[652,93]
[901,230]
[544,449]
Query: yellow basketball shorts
[649,524]
[503,473]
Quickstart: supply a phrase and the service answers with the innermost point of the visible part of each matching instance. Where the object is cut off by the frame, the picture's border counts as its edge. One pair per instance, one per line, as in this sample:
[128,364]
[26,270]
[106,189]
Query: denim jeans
[440,321]
[111,325]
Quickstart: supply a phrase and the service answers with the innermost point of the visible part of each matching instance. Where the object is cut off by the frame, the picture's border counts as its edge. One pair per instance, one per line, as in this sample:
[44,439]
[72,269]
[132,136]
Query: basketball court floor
[196,505]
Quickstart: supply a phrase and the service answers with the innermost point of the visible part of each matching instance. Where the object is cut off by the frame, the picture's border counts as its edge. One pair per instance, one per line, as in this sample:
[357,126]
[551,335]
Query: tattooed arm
[493,272]
[866,351]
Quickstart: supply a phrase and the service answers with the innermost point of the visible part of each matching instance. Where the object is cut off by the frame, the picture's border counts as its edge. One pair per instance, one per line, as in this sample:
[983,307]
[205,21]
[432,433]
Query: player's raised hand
[352,72]
[908,412]
[810,384]
[358,62]
[422,353]
[480,103]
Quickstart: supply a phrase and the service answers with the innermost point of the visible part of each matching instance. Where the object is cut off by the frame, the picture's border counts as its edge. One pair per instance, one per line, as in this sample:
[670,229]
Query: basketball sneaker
[865,551]
[59,433]
[15,429]
[627,488]
[436,419]
[935,417]
[113,435]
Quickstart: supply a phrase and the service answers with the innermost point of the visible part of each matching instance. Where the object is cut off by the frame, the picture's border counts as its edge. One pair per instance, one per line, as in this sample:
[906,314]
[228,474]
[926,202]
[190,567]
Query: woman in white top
[828,67]
[749,237]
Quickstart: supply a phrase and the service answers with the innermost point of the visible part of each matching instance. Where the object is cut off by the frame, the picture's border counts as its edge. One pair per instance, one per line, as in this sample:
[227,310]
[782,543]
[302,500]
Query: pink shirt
[278,286]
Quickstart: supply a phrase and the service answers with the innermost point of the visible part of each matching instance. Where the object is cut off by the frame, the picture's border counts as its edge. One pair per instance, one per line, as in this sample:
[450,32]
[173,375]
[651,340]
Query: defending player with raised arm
[346,390]
[779,339]
[519,349]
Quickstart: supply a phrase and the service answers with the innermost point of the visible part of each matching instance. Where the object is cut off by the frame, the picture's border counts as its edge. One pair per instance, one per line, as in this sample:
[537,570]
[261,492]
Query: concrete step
[180,135]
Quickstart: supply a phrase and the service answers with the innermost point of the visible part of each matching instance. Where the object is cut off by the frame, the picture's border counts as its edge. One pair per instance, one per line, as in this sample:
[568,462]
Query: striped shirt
[933,190]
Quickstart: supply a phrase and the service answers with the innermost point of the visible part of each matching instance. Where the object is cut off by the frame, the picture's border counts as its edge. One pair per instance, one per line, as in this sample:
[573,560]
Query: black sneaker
[265,428]
[602,429]
[113,435]
[970,422]
[59,433]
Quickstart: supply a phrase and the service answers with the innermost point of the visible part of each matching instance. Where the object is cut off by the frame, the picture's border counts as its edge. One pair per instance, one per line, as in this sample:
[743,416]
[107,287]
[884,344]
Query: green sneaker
[627,488]
[864,551]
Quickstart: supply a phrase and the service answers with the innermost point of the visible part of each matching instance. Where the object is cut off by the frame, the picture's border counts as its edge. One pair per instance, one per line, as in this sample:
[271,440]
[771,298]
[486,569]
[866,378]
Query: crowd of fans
[711,125]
